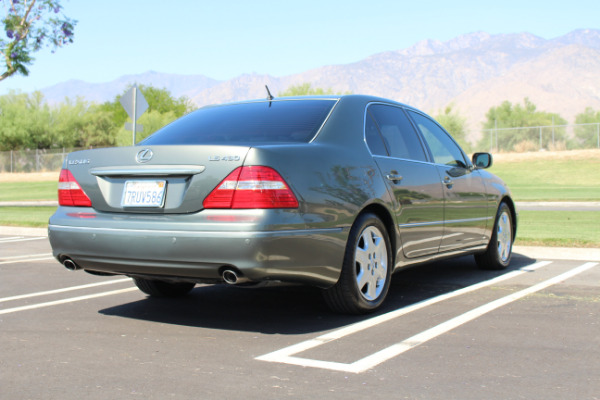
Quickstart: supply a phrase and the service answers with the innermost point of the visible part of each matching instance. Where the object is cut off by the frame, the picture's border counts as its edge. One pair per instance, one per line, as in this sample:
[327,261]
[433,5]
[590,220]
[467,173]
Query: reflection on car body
[336,192]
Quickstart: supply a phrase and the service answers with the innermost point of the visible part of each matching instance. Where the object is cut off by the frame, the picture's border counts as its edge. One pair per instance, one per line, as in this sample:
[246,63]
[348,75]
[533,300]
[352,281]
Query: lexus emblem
[144,156]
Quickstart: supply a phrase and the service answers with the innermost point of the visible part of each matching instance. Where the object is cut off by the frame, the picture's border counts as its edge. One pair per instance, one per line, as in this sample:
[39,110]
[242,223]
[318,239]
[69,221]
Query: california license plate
[144,194]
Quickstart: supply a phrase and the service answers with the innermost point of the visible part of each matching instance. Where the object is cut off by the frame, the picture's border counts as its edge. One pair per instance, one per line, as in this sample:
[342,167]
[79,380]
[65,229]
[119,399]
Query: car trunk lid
[153,179]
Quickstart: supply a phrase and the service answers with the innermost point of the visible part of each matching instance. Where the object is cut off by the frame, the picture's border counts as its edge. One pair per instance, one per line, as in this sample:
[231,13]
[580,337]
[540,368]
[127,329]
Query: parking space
[447,331]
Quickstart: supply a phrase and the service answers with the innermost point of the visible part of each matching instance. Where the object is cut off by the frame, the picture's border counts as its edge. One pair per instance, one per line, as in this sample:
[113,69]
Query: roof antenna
[269,95]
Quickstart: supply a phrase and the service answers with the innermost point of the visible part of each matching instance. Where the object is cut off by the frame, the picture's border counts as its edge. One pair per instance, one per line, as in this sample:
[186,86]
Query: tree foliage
[29,123]
[306,89]
[28,26]
[456,125]
[508,115]
[587,135]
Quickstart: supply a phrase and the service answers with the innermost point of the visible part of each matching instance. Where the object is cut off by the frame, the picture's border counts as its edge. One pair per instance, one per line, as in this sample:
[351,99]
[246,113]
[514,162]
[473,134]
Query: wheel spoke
[371,263]
[504,235]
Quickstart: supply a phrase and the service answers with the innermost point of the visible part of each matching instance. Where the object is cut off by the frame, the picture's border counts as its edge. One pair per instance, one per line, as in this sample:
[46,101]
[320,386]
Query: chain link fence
[539,138]
[39,160]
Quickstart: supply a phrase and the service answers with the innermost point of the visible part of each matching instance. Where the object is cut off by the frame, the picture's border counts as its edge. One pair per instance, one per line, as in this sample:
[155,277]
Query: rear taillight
[251,188]
[69,192]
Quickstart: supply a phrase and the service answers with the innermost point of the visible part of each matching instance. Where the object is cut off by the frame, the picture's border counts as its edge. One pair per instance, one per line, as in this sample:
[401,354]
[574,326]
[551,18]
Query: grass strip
[551,180]
[28,191]
[35,217]
[559,228]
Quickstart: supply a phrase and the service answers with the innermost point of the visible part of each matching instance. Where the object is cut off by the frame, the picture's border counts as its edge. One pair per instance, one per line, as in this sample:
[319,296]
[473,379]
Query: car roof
[337,97]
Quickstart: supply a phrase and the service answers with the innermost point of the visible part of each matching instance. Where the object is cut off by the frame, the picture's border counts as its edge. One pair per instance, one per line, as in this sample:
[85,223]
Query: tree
[455,124]
[30,25]
[151,120]
[587,136]
[26,121]
[306,89]
[507,115]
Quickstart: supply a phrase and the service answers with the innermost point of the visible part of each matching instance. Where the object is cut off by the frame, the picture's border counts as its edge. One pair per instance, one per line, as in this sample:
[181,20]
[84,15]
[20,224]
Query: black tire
[499,251]
[156,288]
[363,285]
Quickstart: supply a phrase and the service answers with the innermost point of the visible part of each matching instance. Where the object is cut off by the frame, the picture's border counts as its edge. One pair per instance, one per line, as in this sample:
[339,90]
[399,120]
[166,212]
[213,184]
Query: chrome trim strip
[418,224]
[460,221]
[454,221]
[154,170]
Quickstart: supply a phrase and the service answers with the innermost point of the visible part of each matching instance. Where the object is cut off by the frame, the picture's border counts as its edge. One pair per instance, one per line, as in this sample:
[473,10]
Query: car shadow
[296,309]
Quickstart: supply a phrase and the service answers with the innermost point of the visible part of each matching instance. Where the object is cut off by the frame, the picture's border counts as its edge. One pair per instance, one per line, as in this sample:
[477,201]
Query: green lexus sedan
[336,192]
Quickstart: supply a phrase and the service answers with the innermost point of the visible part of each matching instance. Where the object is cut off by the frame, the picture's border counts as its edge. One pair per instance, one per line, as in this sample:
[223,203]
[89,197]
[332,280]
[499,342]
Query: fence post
[540,138]
[598,134]
[553,144]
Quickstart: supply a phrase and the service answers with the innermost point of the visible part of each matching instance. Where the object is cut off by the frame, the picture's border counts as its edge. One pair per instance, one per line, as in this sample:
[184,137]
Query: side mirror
[482,160]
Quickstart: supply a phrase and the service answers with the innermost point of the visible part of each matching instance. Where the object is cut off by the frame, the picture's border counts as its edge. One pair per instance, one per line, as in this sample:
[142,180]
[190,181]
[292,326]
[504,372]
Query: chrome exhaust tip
[232,277]
[70,264]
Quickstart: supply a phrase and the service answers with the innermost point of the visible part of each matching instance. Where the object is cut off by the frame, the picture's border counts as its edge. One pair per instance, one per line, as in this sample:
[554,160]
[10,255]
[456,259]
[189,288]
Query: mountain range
[472,72]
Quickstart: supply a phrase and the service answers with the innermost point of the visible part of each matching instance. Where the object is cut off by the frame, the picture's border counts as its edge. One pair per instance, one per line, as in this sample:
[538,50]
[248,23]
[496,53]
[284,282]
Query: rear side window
[373,137]
[399,136]
[278,121]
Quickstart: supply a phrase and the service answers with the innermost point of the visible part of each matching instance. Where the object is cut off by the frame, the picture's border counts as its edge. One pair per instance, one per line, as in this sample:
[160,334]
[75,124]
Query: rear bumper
[307,256]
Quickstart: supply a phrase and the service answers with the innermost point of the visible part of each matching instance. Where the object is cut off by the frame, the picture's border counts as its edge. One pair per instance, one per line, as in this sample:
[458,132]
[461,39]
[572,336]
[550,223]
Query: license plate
[144,194]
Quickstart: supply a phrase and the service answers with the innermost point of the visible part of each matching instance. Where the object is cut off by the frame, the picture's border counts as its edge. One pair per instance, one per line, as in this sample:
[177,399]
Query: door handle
[393,177]
[448,182]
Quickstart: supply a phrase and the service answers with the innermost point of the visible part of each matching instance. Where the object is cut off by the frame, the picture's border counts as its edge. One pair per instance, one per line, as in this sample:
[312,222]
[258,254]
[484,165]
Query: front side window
[398,133]
[278,121]
[443,148]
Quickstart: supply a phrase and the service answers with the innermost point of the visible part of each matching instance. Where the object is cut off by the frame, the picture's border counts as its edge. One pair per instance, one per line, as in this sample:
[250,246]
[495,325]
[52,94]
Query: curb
[21,231]
[558,253]
[41,203]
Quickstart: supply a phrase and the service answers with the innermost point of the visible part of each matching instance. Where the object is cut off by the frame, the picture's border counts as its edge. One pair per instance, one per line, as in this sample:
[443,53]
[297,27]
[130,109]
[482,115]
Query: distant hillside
[474,72]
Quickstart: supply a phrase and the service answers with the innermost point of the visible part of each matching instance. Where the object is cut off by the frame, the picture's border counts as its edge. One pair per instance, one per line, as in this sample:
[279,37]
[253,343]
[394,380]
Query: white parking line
[69,289]
[64,301]
[286,355]
[20,239]
[30,257]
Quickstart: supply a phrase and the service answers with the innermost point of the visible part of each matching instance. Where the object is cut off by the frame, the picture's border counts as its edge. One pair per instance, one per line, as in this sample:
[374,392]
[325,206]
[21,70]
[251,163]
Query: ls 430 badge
[78,162]
[224,158]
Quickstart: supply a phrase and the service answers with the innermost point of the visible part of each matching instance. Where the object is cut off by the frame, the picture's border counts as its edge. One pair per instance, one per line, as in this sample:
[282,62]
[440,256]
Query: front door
[465,210]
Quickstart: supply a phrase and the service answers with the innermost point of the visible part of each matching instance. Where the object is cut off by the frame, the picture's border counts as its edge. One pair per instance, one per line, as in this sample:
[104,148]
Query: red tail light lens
[252,188]
[69,192]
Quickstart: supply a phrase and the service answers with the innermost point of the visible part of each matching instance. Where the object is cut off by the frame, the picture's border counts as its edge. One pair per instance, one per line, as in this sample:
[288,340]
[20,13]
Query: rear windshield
[279,121]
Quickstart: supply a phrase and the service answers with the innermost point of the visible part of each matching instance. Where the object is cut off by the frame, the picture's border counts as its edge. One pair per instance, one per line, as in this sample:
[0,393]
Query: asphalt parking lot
[447,331]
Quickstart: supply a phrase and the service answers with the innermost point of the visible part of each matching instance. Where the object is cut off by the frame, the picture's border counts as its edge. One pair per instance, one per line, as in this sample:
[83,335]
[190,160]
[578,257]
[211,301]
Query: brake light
[252,188]
[69,192]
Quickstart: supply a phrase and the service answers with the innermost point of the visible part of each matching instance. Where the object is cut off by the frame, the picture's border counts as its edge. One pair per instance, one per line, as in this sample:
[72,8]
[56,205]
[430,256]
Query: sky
[224,39]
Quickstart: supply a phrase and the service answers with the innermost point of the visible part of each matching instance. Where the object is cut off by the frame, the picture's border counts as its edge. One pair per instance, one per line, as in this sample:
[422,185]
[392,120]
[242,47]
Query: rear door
[414,182]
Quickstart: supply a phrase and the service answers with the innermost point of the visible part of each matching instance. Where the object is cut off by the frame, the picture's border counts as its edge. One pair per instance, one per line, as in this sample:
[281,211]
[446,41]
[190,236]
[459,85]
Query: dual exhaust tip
[230,276]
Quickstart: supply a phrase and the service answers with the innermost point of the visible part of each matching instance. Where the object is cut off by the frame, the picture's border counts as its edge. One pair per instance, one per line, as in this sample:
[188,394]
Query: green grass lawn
[559,228]
[26,191]
[36,217]
[551,180]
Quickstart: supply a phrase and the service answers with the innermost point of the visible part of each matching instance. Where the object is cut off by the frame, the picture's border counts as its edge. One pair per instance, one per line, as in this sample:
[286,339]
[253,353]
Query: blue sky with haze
[224,39]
